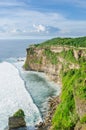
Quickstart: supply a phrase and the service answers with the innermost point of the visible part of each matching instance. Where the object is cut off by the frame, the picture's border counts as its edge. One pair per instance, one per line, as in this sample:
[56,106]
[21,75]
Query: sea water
[27,90]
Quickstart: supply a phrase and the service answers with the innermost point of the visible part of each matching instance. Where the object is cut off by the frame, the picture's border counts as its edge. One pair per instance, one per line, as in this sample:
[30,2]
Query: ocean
[20,89]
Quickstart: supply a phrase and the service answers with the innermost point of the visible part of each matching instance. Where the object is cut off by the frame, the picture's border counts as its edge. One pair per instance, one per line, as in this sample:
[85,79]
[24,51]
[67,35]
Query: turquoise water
[39,87]
[24,89]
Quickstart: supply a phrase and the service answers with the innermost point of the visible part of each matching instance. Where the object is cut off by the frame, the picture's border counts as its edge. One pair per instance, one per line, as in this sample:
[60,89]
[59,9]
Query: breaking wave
[13,96]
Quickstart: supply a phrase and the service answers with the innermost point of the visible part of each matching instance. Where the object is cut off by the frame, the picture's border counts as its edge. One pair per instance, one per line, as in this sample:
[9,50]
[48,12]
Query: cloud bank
[18,18]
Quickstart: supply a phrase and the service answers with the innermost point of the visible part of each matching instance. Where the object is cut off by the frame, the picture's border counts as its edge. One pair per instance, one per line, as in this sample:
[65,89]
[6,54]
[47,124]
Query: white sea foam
[13,96]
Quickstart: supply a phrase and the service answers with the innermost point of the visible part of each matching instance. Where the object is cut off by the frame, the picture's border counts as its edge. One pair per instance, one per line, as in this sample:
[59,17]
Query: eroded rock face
[36,60]
[16,122]
[80,126]
[80,107]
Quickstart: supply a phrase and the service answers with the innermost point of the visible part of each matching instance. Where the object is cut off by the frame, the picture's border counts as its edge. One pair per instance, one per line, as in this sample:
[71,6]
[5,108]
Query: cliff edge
[64,61]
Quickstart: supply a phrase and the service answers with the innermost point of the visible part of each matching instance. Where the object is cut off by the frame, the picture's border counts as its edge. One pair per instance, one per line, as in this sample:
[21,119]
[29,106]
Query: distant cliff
[64,61]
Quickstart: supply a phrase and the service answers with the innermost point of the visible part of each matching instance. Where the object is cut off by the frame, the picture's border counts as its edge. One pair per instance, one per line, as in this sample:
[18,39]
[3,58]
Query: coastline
[72,71]
[44,127]
[53,102]
[61,64]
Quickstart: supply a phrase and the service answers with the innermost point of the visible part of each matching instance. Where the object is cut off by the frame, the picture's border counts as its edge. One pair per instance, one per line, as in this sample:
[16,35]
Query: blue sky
[42,18]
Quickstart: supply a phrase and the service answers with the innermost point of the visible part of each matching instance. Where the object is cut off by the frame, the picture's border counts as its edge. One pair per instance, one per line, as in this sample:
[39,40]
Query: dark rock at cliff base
[40,125]
[16,122]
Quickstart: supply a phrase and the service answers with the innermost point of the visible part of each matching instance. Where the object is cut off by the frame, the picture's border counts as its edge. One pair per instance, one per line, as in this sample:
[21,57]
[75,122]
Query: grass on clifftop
[77,42]
[51,56]
[68,55]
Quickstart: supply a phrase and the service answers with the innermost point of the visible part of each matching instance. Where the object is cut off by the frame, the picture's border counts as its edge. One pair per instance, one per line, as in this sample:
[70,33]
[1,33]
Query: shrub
[65,116]
[25,66]
[77,42]
[83,119]
[19,113]
[51,56]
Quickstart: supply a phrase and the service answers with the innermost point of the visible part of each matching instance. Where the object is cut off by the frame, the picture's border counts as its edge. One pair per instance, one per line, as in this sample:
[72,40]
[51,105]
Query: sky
[42,18]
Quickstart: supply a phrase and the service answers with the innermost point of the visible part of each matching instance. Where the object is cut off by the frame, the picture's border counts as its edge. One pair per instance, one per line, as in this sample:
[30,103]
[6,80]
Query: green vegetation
[83,119]
[19,113]
[77,42]
[68,55]
[72,62]
[25,66]
[37,60]
[51,56]
[30,50]
[65,116]
[74,85]
[80,82]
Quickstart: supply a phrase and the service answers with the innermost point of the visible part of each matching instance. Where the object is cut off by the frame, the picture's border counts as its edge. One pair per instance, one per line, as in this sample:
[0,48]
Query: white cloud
[23,22]
[39,28]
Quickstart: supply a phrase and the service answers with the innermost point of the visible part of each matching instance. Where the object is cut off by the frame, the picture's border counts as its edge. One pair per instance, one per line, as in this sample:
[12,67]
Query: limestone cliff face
[38,60]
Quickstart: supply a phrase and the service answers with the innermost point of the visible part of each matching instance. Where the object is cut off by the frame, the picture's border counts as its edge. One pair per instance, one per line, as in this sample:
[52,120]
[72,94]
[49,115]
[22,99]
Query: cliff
[65,64]
[52,60]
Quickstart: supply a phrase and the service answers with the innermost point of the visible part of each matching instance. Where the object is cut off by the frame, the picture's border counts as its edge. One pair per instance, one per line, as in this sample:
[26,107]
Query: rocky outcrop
[17,120]
[80,126]
[53,103]
[80,107]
